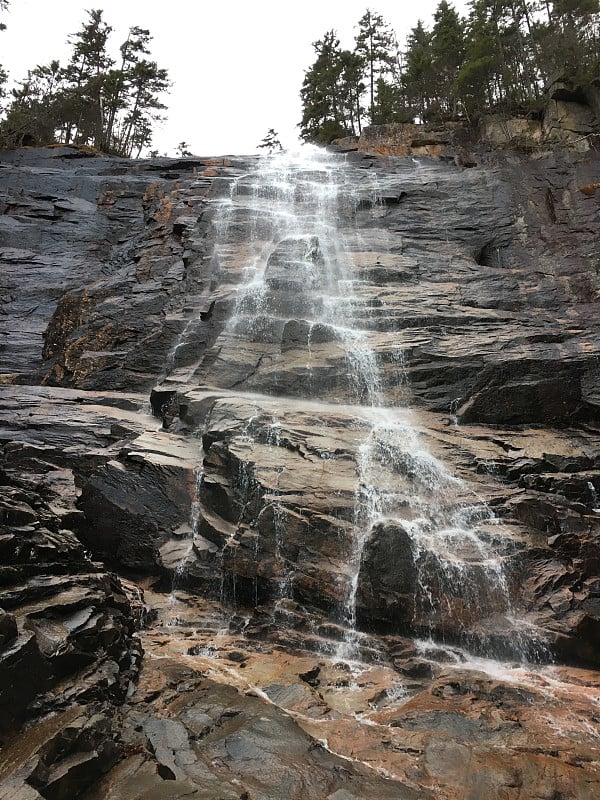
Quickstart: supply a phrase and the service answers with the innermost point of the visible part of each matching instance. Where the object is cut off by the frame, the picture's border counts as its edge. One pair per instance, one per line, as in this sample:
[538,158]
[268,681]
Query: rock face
[99,242]
[375,388]
[68,650]
[571,117]
[411,723]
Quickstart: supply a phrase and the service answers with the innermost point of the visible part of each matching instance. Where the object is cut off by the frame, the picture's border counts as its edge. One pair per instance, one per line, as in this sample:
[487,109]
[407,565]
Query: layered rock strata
[471,296]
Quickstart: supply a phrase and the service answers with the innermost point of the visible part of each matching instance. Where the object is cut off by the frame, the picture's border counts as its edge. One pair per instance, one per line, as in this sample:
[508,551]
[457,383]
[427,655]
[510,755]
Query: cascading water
[301,288]
[258,428]
[179,574]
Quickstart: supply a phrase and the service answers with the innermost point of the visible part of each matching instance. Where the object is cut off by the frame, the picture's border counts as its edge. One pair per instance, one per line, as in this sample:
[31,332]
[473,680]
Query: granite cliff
[300,471]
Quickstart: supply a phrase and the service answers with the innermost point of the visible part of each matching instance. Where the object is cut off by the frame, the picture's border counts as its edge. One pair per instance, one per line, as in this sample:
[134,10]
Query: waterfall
[179,573]
[287,244]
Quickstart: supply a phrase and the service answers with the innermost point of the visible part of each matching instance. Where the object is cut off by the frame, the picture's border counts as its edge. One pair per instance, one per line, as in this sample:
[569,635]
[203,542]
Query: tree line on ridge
[92,100]
[500,57]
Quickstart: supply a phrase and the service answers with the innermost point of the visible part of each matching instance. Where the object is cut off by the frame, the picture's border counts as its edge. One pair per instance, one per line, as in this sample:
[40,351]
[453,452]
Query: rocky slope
[289,662]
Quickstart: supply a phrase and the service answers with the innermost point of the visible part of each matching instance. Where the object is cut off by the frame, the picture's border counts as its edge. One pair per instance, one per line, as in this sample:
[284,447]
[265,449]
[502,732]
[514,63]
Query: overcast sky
[236,65]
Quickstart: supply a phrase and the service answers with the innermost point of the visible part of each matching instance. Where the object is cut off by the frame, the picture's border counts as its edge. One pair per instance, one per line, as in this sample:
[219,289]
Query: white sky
[236,65]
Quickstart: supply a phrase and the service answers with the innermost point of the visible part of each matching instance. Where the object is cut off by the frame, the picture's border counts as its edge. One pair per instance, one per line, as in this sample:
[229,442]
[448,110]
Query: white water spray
[296,213]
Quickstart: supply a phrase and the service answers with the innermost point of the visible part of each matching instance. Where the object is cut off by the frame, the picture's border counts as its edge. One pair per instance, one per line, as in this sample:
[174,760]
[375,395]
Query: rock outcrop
[69,651]
[312,519]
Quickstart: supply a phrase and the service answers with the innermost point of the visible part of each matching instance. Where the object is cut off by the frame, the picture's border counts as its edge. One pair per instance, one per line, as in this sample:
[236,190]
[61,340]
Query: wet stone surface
[371,479]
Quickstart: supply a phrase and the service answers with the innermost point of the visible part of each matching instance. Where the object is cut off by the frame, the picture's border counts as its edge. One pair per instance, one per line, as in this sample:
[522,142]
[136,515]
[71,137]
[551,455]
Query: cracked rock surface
[173,586]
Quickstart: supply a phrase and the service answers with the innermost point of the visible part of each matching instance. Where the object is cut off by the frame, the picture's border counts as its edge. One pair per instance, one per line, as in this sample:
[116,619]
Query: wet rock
[535,511]
[61,756]
[295,265]
[505,395]
[170,745]
[124,227]
[387,577]
[24,673]
[8,628]
[580,488]
[416,668]
[244,742]
[237,656]
[133,505]
[450,302]
[66,631]
[311,676]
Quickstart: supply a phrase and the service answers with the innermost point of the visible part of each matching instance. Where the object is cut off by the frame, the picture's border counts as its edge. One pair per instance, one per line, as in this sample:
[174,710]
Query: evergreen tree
[146,82]
[3,7]
[350,90]
[32,117]
[571,40]
[89,101]
[447,56]
[322,117]
[500,58]
[3,81]
[182,150]
[475,78]
[270,142]
[520,33]
[116,83]
[85,76]
[390,103]
[419,78]
[376,46]
[512,52]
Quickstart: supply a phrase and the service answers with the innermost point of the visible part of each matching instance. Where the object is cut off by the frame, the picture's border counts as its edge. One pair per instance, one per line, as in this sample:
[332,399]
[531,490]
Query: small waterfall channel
[305,328]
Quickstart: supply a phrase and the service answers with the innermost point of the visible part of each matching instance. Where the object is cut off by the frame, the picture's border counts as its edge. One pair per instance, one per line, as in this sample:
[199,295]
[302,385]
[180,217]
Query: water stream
[290,224]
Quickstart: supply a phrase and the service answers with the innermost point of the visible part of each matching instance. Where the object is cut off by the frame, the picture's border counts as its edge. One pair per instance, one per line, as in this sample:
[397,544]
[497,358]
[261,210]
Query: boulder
[387,579]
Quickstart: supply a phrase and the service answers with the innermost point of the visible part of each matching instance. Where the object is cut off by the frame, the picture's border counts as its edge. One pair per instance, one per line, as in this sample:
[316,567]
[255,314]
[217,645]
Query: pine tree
[499,59]
[390,103]
[89,102]
[419,78]
[476,77]
[270,142]
[447,56]
[115,85]
[350,90]
[571,40]
[182,150]
[376,45]
[322,117]
[146,82]
[85,76]
[34,113]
